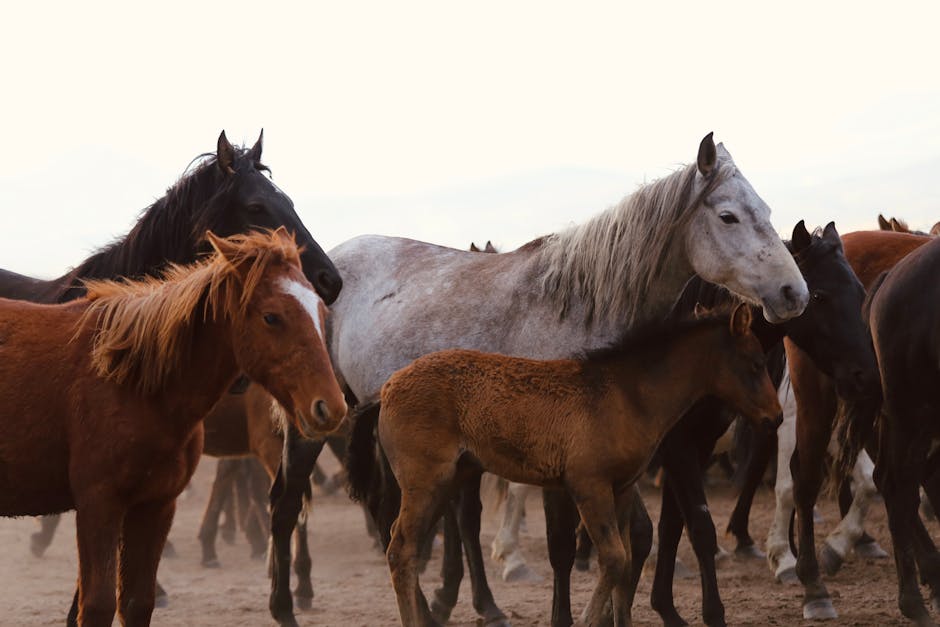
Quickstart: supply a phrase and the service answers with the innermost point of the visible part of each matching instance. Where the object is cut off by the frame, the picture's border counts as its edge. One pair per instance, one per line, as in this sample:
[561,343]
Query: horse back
[21,287]
[872,252]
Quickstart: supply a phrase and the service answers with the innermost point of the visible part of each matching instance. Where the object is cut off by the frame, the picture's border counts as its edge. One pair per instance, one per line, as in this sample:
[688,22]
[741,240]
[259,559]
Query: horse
[102,398]
[824,406]
[900,226]
[553,298]
[830,330]
[906,334]
[589,425]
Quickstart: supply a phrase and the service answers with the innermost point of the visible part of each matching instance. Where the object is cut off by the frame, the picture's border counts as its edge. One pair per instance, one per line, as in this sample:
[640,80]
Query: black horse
[227,192]
[830,330]
[905,327]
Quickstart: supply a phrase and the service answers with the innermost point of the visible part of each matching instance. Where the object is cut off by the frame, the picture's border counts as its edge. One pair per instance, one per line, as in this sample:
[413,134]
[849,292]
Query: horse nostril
[320,411]
[787,291]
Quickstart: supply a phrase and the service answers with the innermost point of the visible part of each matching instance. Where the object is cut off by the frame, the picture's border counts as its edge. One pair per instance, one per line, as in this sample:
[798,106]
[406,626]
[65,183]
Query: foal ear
[883,224]
[489,248]
[222,246]
[801,238]
[225,154]
[701,311]
[474,249]
[707,155]
[741,320]
[255,153]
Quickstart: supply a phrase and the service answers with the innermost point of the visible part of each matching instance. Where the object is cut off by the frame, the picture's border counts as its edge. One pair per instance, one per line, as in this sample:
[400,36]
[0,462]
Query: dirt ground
[352,584]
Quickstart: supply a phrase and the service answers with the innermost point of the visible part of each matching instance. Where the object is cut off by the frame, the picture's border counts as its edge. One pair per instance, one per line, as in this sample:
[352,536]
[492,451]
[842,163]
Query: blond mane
[611,261]
[143,330]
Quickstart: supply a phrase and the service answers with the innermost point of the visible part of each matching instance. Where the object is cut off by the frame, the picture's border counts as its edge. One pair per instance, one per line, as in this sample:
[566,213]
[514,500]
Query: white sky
[456,121]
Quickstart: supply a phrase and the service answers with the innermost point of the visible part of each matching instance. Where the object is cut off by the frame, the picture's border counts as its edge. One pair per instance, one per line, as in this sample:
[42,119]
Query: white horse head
[730,240]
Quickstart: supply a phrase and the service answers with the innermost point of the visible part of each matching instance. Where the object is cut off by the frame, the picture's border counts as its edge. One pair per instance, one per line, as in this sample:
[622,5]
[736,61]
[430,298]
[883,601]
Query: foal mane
[143,329]
[623,247]
[165,230]
[655,334]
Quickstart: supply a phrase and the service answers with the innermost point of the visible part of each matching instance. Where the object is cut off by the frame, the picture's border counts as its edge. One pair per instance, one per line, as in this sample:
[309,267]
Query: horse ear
[225,154]
[255,153]
[707,155]
[897,225]
[700,310]
[801,238]
[883,224]
[830,234]
[473,248]
[489,248]
[935,229]
[741,320]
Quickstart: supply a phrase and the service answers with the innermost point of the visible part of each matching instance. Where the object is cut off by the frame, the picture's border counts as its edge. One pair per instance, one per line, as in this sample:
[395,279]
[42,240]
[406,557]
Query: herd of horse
[218,325]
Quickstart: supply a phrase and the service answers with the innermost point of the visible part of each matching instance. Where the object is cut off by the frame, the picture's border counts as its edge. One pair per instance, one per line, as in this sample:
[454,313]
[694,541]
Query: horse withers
[589,425]
[102,399]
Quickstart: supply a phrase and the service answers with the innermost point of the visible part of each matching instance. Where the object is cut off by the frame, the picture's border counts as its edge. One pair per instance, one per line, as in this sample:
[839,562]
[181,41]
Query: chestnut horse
[905,329]
[102,399]
[589,425]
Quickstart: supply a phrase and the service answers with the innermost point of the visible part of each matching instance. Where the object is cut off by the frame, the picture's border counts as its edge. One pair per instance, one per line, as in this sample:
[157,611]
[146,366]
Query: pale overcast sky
[452,121]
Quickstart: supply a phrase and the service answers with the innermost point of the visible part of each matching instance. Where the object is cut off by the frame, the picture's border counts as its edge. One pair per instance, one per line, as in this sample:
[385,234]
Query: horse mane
[654,334]
[164,230]
[626,245]
[143,329]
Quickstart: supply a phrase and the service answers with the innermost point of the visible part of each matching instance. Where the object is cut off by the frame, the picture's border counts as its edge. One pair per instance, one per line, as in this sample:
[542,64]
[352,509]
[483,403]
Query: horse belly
[33,485]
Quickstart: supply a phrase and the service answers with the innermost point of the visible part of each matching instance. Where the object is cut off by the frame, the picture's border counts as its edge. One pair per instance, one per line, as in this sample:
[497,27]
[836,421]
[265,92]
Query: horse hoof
[582,565]
[788,577]
[870,551]
[829,560]
[521,573]
[497,621]
[819,609]
[303,603]
[211,563]
[749,552]
[440,612]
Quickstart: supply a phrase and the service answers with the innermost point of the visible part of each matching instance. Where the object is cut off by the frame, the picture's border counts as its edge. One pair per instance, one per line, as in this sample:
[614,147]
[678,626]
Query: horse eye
[728,218]
[271,319]
[818,296]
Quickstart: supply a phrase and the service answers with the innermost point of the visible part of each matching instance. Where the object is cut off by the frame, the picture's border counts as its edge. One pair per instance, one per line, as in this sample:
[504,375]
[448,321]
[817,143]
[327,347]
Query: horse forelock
[143,329]
[611,261]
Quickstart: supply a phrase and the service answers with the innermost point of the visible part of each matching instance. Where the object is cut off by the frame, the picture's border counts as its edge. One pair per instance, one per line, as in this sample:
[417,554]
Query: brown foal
[589,425]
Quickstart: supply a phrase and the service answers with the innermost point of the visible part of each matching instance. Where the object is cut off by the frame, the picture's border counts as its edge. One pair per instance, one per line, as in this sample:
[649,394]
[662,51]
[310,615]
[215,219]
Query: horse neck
[663,383]
[204,377]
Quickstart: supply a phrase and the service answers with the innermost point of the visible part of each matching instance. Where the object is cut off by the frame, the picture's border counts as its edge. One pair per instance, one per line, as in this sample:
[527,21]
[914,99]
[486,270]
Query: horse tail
[856,417]
[360,456]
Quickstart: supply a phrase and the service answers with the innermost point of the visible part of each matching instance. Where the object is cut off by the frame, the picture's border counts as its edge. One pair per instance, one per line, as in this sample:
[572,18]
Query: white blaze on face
[308,299]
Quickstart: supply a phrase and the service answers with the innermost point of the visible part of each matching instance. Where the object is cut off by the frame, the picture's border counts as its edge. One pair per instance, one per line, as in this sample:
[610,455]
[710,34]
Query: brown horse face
[742,379]
[280,345]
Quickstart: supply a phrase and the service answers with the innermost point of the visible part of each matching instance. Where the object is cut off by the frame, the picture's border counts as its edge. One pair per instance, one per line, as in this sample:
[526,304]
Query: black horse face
[831,328]
[250,200]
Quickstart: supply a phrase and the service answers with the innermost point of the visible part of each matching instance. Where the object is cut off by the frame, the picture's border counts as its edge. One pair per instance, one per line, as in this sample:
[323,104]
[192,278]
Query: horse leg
[469,522]
[582,556]
[232,502]
[763,439]
[599,511]
[779,556]
[899,486]
[505,546]
[303,565]
[669,532]
[851,528]
[40,541]
[256,521]
[145,530]
[445,597]
[225,472]
[287,493]
[98,528]
[561,522]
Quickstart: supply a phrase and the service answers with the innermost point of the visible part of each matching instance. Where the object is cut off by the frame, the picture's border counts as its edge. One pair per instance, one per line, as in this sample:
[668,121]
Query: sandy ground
[352,584]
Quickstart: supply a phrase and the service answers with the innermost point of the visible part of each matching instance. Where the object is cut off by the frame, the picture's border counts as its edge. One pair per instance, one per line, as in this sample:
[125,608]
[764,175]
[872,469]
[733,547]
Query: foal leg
[763,439]
[561,522]
[851,528]
[287,493]
[469,523]
[599,511]
[145,530]
[225,472]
